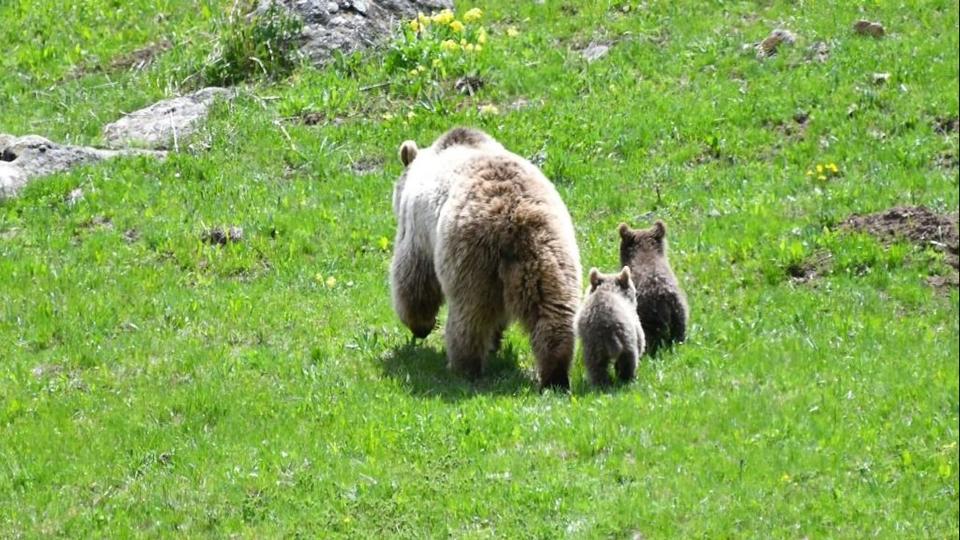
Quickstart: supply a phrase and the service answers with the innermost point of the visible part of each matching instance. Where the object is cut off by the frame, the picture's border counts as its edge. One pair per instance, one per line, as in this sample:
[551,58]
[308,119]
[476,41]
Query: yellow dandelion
[457,27]
[809,172]
[482,36]
[489,109]
[468,47]
[819,168]
[414,72]
[318,277]
[512,31]
[821,177]
[472,15]
[449,45]
[463,43]
[444,17]
[415,25]
[833,168]
[436,62]
[331,282]
[477,48]
[423,20]
[785,478]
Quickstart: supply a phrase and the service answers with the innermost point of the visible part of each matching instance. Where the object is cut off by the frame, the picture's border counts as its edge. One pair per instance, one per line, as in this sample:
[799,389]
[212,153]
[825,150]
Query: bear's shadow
[422,370]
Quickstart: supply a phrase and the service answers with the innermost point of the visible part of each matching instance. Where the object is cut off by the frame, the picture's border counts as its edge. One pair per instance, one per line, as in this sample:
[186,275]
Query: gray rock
[595,51]
[350,25]
[31,156]
[11,180]
[164,123]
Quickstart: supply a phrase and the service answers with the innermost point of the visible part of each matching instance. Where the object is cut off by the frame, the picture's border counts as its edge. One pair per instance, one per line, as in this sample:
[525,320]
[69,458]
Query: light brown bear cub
[661,304]
[485,230]
[609,328]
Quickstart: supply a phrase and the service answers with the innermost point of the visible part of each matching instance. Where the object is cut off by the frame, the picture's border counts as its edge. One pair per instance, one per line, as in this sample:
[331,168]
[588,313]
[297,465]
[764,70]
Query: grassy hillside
[154,384]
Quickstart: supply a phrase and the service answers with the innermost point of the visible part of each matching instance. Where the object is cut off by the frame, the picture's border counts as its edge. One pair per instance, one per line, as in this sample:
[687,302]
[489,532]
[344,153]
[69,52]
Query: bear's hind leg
[553,342]
[595,361]
[470,333]
[626,364]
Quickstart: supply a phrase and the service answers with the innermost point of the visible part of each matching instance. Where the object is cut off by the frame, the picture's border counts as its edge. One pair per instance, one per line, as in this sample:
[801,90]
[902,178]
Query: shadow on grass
[423,372]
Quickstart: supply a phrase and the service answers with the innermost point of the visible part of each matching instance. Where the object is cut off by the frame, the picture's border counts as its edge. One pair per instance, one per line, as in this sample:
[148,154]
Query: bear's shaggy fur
[609,328]
[661,304]
[484,229]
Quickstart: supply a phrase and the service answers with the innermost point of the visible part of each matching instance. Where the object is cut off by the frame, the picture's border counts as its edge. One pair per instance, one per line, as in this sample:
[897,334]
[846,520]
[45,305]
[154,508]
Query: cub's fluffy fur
[661,304]
[609,328]
[484,229]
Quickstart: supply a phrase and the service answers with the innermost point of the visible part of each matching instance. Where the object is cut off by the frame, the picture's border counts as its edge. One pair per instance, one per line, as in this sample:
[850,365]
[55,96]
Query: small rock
[32,156]
[162,124]
[468,84]
[868,28]
[881,78]
[819,52]
[131,235]
[75,196]
[595,51]
[801,117]
[12,179]
[221,236]
[768,47]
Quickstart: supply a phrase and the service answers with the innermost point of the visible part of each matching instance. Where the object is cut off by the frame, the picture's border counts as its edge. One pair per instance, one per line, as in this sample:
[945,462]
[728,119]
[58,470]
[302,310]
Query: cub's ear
[408,152]
[624,231]
[659,230]
[594,278]
[623,278]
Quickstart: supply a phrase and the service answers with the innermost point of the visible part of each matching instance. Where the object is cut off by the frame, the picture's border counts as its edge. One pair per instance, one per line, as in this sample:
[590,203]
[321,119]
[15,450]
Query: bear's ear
[594,278]
[408,152]
[623,278]
[659,230]
[624,231]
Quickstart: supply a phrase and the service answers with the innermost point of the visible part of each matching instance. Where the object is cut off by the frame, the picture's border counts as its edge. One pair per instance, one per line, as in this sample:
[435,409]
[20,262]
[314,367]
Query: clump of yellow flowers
[436,46]
[824,172]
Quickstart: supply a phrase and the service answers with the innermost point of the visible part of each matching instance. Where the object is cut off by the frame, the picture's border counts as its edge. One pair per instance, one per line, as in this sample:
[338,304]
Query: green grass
[162,385]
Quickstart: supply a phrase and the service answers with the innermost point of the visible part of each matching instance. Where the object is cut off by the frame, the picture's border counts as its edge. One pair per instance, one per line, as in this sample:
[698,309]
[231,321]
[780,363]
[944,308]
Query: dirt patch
[140,58]
[919,226]
[820,264]
[947,160]
[946,125]
[366,165]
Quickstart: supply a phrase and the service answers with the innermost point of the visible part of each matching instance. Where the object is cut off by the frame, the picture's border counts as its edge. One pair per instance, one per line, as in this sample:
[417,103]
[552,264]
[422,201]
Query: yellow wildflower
[331,282]
[785,478]
[423,20]
[457,26]
[489,109]
[449,45]
[819,168]
[415,25]
[833,168]
[477,48]
[414,72]
[481,36]
[436,62]
[421,68]
[444,17]
[809,172]
[512,31]
[821,177]
[463,43]
[468,47]
[473,15]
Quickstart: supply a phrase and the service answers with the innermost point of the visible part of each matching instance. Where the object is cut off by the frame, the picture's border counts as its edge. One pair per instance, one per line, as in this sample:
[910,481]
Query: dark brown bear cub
[608,327]
[661,304]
